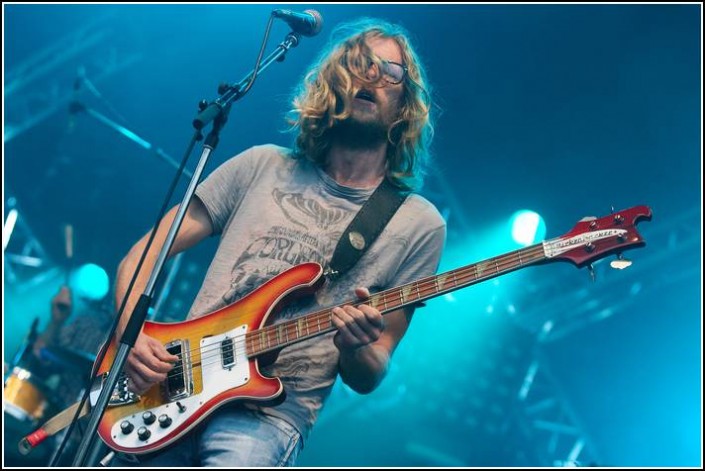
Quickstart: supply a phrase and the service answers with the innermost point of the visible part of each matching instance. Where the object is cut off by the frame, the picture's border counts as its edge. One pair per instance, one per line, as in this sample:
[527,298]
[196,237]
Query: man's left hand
[357,325]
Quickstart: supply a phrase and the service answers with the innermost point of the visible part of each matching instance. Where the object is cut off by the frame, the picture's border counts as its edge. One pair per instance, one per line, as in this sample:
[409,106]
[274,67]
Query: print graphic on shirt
[284,247]
[278,250]
[303,211]
[292,367]
[305,367]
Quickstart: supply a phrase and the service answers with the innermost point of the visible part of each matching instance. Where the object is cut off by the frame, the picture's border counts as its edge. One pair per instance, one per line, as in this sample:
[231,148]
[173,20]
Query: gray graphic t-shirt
[272,213]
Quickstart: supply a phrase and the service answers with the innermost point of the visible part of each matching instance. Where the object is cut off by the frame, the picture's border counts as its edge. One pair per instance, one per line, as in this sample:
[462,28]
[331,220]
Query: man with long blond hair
[361,115]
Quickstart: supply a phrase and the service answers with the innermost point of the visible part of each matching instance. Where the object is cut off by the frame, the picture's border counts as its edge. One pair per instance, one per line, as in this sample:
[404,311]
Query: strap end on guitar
[27,444]
[52,426]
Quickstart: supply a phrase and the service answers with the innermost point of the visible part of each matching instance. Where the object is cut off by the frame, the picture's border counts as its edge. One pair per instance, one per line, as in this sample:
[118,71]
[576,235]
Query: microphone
[308,23]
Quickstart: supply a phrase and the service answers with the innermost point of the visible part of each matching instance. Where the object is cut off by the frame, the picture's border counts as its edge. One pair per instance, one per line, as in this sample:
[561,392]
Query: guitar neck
[286,333]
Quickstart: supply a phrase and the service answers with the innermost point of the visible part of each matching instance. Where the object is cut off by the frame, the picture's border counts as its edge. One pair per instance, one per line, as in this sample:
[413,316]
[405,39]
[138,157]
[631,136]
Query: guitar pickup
[227,353]
[179,380]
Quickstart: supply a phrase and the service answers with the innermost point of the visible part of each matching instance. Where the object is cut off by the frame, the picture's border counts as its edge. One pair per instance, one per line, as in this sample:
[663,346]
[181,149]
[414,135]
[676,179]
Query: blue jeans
[231,437]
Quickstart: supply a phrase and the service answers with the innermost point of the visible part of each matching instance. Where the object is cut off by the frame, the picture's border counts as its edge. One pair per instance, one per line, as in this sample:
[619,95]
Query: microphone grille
[319,21]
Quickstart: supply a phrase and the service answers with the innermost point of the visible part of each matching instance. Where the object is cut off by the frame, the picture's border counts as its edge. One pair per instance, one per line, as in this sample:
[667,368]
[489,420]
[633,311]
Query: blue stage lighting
[90,281]
[527,227]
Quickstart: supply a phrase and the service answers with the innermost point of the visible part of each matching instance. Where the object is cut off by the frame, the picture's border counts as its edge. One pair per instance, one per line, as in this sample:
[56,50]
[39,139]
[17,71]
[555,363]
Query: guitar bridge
[179,382]
[121,395]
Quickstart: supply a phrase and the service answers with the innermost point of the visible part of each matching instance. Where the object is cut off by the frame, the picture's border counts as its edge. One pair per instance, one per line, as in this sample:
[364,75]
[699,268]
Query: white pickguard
[216,379]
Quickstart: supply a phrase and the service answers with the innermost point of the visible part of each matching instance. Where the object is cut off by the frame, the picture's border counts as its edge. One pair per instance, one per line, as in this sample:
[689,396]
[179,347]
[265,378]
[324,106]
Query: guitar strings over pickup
[227,351]
[179,383]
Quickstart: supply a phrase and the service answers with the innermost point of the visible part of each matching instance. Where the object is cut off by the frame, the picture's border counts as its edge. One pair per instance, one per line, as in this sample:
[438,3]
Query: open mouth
[365,95]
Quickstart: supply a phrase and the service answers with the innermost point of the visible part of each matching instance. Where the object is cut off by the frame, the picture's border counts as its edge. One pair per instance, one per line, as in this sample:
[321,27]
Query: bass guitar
[219,352]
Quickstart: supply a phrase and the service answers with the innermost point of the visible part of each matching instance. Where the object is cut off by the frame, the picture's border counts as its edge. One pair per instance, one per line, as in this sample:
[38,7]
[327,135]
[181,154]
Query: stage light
[90,281]
[8,227]
[528,227]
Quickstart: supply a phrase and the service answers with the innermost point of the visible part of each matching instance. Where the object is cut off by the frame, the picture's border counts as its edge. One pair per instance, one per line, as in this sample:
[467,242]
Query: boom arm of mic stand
[101,118]
[231,93]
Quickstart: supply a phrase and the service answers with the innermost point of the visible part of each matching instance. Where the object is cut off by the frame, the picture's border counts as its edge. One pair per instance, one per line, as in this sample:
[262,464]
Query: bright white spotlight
[527,227]
[8,228]
[90,281]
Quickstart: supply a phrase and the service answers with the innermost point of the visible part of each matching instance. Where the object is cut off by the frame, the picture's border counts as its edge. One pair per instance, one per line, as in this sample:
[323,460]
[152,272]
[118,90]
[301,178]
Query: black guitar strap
[365,227]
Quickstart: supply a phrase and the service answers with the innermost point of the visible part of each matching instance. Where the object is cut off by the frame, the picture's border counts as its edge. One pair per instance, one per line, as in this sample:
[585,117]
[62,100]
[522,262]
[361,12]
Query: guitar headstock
[595,238]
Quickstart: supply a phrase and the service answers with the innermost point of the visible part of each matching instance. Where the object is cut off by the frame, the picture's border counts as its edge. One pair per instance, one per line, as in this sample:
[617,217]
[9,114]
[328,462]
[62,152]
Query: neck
[275,337]
[357,168]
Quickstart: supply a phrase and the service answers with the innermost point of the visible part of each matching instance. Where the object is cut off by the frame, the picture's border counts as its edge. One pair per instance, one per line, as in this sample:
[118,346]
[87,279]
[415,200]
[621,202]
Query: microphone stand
[217,112]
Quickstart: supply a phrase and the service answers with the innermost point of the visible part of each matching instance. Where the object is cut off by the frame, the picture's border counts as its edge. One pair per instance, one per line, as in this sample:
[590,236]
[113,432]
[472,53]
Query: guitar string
[461,276]
[427,285]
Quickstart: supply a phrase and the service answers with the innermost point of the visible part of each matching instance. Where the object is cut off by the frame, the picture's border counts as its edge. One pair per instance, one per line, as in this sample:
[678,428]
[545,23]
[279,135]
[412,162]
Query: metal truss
[25,261]
[548,423]
[36,88]
[47,81]
[545,415]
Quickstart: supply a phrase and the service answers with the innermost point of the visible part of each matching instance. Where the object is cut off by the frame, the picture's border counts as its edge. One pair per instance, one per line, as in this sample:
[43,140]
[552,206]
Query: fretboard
[280,335]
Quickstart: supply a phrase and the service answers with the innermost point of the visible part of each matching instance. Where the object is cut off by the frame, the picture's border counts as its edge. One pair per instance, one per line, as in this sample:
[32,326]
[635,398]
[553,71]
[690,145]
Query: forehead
[385,48]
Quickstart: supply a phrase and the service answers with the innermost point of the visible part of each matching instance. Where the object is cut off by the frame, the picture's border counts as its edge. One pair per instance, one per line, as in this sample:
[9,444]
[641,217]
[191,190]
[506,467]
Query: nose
[373,71]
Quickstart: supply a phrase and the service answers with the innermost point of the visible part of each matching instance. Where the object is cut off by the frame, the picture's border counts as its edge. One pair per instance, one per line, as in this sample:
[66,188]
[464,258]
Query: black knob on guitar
[149,417]
[164,421]
[126,427]
[143,433]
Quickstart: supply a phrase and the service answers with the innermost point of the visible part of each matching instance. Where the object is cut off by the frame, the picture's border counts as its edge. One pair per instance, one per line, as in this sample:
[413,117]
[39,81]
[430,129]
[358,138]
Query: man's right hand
[147,364]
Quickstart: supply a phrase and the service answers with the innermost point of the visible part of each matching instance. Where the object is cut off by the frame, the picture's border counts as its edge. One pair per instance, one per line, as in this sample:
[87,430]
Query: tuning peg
[620,263]
[591,269]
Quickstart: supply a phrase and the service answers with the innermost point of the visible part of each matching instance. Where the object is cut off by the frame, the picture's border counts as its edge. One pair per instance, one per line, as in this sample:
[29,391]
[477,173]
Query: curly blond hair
[324,99]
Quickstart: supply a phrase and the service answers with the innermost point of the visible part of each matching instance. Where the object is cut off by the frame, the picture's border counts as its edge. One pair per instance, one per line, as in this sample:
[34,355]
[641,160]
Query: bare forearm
[195,226]
[124,275]
[148,361]
[364,369]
